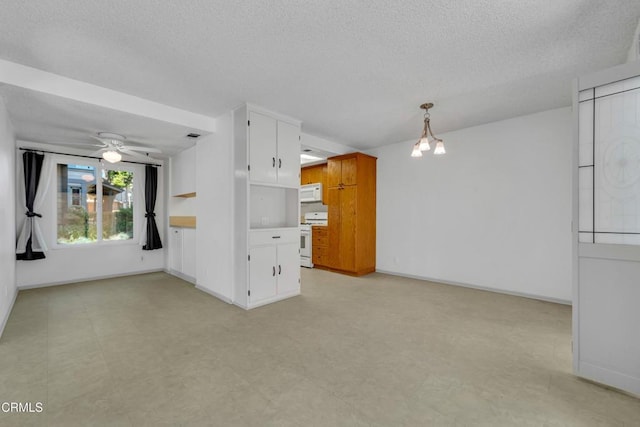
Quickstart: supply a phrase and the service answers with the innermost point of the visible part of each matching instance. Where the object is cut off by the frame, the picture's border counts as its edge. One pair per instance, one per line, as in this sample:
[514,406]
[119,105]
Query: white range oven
[306,237]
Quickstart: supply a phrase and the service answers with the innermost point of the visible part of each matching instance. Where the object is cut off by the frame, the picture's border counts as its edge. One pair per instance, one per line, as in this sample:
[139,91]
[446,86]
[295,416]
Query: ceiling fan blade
[102,141]
[136,155]
[142,149]
[98,153]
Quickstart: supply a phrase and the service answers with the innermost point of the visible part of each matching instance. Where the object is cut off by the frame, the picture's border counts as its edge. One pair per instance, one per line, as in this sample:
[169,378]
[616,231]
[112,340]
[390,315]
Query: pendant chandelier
[423,143]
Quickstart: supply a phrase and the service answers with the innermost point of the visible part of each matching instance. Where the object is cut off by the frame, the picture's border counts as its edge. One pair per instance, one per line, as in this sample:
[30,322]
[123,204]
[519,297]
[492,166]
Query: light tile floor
[378,350]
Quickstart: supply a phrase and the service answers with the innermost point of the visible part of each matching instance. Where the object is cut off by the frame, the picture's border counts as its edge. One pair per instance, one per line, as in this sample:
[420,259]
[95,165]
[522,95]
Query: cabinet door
[347,249]
[189,252]
[262,148]
[334,227]
[349,169]
[175,251]
[334,173]
[262,273]
[288,161]
[288,268]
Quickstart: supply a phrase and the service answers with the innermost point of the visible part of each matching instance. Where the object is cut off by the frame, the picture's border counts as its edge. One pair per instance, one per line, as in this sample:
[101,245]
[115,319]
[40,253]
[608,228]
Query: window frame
[100,166]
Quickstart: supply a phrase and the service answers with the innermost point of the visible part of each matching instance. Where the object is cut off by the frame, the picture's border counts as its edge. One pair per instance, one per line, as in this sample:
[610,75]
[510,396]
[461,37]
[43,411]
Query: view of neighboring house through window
[94,204]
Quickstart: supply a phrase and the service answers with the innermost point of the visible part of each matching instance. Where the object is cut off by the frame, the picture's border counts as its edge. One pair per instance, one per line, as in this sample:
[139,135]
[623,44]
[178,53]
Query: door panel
[349,171]
[333,200]
[288,268]
[262,148]
[348,228]
[288,161]
[262,273]
[334,173]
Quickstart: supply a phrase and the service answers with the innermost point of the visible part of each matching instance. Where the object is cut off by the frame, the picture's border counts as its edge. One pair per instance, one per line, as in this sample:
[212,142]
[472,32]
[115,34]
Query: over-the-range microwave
[311,193]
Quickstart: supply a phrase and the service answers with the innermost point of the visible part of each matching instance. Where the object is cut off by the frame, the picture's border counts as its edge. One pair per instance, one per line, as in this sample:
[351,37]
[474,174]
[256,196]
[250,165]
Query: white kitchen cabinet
[175,249]
[267,206]
[274,267]
[274,150]
[182,253]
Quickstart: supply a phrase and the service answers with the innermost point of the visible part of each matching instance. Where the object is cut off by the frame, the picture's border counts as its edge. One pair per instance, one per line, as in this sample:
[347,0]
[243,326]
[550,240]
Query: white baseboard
[609,378]
[180,275]
[5,319]
[214,294]
[87,279]
[481,288]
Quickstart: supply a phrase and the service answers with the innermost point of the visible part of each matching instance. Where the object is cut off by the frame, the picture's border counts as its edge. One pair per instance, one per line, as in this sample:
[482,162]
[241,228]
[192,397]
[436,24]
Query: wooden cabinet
[352,213]
[314,174]
[319,246]
[274,147]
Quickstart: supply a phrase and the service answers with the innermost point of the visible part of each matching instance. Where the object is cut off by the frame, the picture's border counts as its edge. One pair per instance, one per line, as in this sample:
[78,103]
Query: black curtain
[150,190]
[32,167]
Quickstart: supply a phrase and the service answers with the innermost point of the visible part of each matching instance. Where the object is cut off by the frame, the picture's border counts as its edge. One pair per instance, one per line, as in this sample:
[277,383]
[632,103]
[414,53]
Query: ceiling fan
[113,146]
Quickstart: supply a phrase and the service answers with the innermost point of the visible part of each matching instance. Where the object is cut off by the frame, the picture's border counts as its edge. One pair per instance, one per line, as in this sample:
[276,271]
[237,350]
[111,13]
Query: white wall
[494,212]
[634,50]
[214,211]
[7,217]
[86,262]
[325,144]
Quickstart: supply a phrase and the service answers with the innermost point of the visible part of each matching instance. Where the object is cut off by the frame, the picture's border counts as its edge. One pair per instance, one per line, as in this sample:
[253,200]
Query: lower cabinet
[274,267]
[182,253]
[320,246]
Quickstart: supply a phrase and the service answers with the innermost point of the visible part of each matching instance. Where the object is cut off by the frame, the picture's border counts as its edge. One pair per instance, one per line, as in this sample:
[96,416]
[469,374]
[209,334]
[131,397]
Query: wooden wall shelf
[186,195]
[182,221]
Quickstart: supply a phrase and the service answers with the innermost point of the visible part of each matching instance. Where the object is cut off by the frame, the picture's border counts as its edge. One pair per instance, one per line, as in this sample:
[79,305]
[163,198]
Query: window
[92,209]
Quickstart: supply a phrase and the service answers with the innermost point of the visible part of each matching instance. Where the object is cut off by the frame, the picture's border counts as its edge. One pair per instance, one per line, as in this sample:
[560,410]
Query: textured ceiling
[352,71]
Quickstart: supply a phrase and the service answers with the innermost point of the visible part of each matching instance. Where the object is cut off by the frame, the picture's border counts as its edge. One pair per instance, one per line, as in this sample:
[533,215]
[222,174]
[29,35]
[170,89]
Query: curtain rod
[34,150]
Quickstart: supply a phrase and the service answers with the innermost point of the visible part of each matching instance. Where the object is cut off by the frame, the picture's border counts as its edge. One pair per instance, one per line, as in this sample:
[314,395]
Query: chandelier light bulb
[439,148]
[416,150]
[424,144]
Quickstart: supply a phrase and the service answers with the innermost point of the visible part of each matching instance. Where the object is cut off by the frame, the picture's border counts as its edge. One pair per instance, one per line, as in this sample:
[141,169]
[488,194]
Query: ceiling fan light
[416,150]
[439,148]
[112,156]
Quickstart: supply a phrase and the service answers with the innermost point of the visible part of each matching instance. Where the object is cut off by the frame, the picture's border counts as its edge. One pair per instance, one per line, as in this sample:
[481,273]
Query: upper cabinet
[274,150]
[183,173]
[313,175]
[342,171]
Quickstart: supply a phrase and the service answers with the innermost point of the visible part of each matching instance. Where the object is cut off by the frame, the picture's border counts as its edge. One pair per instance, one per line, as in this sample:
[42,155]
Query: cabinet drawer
[319,230]
[319,240]
[274,236]
[320,256]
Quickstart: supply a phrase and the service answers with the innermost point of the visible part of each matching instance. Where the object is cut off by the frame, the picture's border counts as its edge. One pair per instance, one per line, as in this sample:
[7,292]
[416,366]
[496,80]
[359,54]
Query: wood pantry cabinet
[351,179]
